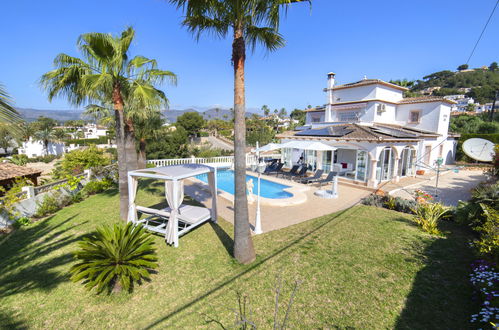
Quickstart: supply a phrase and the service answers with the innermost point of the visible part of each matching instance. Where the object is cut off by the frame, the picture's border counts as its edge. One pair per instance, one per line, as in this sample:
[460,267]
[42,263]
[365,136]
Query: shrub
[43,159]
[373,200]
[427,215]
[9,198]
[392,203]
[488,231]
[22,221]
[97,186]
[78,160]
[51,203]
[115,257]
[19,159]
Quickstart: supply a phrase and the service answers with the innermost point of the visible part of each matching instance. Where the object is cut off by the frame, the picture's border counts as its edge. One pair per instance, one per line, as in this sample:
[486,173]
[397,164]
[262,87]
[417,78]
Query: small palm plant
[115,258]
[427,216]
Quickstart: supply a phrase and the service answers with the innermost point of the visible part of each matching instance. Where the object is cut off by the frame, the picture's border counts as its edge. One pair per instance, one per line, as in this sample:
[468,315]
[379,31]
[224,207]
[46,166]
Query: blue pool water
[269,189]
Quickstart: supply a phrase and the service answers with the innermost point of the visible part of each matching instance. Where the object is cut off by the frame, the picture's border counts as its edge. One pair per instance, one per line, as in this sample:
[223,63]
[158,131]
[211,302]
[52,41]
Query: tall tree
[107,74]
[250,22]
[46,135]
[266,110]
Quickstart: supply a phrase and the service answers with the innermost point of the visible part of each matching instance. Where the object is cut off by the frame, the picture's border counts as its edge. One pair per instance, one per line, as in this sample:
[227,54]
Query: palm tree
[107,75]
[60,134]
[9,115]
[251,22]
[45,135]
[266,110]
[147,128]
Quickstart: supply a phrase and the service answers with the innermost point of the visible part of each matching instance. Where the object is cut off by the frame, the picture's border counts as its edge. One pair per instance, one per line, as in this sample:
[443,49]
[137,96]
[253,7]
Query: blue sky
[380,39]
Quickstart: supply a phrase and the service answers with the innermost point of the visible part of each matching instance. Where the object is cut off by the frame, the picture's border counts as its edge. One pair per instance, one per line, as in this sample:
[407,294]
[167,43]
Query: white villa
[380,136]
[35,148]
[93,131]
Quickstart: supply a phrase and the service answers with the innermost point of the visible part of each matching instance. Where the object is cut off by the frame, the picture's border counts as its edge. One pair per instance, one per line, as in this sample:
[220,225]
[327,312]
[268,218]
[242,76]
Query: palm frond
[268,37]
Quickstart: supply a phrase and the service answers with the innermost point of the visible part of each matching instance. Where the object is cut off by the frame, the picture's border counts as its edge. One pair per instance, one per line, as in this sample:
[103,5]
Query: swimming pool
[269,189]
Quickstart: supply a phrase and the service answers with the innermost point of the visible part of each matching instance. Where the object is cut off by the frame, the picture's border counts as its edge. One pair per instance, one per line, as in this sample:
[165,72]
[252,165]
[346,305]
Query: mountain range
[170,115]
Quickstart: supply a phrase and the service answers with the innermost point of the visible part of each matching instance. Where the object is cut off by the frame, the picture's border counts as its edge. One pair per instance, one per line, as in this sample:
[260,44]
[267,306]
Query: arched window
[406,161]
[384,169]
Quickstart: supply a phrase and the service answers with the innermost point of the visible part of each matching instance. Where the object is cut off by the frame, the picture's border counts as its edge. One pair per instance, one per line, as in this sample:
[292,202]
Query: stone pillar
[30,191]
[88,174]
[372,182]
[396,177]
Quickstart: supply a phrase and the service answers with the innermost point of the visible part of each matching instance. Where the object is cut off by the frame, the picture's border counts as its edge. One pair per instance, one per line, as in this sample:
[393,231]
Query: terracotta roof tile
[11,171]
[366,82]
[423,99]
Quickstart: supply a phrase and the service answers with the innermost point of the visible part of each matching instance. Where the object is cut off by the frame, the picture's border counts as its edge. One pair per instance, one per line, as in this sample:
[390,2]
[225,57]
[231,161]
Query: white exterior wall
[354,94]
[35,148]
[388,94]
[429,115]
[385,117]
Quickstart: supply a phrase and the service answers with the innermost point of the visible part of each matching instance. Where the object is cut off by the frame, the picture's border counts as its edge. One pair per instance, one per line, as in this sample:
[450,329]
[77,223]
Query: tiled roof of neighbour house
[10,171]
[424,99]
[374,132]
[366,82]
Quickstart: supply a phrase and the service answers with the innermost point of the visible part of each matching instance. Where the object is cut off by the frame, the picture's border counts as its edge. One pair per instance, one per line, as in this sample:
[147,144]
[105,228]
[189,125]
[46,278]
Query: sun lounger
[316,177]
[329,178]
[301,173]
[277,169]
[291,172]
[157,218]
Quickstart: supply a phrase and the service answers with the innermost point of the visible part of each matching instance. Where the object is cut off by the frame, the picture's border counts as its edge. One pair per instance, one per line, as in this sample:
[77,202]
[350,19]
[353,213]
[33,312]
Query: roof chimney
[330,80]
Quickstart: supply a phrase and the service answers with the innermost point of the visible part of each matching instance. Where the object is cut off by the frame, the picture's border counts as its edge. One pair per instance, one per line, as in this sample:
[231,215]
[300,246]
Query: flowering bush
[485,280]
[422,196]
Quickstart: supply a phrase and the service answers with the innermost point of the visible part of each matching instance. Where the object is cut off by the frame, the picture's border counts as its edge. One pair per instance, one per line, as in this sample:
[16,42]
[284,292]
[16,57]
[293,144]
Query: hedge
[100,140]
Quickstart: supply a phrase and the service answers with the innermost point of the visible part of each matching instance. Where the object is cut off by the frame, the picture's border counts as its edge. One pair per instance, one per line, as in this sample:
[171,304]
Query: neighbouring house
[486,107]
[462,102]
[10,172]
[35,148]
[380,136]
[93,131]
[279,121]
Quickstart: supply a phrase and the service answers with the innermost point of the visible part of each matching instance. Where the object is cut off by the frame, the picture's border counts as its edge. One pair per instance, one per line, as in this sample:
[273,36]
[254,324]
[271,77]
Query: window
[315,117]
[414,116]
[348,116]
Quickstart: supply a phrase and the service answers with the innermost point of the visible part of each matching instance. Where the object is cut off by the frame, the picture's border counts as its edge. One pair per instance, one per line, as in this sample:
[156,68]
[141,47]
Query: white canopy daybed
[177,219]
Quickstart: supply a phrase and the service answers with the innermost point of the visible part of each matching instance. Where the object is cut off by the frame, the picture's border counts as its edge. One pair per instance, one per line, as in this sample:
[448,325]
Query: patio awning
[308,145]
[304,145]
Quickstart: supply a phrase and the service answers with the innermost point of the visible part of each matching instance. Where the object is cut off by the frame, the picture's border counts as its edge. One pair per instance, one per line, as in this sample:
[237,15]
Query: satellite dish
[479,149]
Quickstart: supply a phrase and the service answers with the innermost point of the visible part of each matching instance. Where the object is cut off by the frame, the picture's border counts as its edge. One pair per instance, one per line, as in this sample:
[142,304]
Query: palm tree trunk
[120,144]
[130,147]
[142,154]
[243,244]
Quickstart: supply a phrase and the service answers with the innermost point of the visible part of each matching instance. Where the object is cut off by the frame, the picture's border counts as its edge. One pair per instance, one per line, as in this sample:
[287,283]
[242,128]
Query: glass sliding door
[327,159]
[384,170]
[406,162]
[361,165]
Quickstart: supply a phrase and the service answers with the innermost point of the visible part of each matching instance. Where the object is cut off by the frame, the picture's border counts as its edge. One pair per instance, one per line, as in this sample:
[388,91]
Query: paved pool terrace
[281,213]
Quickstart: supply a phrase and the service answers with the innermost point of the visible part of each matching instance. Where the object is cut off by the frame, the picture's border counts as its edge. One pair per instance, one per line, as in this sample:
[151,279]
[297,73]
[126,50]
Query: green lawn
[362,268]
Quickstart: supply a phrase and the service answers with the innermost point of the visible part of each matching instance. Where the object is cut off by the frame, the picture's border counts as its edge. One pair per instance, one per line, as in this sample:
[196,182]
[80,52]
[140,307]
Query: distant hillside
[170,115]
[481,84]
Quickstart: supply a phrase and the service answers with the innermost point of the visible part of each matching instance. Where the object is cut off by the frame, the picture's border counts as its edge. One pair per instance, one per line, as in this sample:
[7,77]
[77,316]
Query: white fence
[224,161]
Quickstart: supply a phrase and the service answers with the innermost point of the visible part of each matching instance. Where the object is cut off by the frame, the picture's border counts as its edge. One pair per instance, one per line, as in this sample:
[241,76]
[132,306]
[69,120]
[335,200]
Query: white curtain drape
[212,181]
[174,193]
[132,193]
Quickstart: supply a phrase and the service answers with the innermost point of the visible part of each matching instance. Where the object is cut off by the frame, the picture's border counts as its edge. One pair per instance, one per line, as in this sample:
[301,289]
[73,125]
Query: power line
[481,34]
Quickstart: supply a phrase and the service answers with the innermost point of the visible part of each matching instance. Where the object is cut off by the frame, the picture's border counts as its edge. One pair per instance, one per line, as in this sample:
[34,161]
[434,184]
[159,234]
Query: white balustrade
[223,160]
